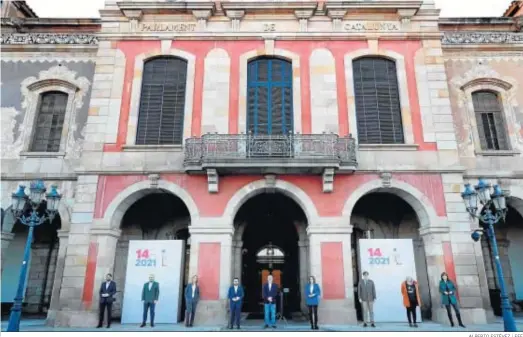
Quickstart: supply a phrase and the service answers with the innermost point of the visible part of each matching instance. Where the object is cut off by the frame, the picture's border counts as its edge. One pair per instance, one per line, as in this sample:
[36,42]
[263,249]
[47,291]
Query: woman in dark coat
[448,298]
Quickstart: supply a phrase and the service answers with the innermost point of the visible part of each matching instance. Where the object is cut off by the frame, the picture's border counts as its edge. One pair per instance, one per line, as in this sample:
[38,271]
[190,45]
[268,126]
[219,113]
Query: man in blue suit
[270,293]
[235,296]
[192,296]
[107,291]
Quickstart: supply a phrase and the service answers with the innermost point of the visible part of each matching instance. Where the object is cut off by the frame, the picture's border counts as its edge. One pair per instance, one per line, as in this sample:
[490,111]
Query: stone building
[242,127]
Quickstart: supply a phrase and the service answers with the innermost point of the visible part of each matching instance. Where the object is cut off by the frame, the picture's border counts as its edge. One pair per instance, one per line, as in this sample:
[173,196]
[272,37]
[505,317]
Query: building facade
[242,128]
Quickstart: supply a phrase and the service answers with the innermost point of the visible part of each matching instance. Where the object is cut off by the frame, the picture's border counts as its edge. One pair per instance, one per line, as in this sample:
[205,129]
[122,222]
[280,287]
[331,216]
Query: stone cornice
[467,38]
[254,5]
[154,6]
[377,4]
[48,39]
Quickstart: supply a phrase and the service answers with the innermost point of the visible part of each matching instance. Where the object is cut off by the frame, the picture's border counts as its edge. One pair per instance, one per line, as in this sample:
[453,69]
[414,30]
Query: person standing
[448,298]
[107,291]
[312,299]
[150,295]
[411,299]
[367,296]
[192,296]
[270,293]
[235,296]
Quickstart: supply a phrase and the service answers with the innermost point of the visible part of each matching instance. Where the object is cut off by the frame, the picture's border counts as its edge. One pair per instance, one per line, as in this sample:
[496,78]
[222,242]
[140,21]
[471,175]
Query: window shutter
[378,108]
[490,121]
[269,97]
[49,122]
[162,102]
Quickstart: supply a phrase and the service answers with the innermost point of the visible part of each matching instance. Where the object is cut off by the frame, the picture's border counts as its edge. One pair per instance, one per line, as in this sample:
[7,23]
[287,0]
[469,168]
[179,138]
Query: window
[489,118]
[49,122]
[377,100]
[269,96]
[162,102]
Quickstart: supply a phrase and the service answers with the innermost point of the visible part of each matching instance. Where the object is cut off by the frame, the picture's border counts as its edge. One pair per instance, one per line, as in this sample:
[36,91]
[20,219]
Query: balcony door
[269,107]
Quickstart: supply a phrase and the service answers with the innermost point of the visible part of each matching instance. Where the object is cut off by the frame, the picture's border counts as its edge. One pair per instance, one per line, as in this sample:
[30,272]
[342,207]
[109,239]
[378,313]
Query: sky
[89,8]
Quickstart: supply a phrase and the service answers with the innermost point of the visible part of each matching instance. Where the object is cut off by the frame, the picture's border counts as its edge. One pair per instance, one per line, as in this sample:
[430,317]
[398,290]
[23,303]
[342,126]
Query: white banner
[164,259]
[389,262]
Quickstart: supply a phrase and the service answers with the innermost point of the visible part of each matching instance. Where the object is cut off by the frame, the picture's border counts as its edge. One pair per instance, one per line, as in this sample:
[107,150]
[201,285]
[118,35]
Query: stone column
[304,269]
[237,259]
[63,238]
[333,311]
[211,311]
[6,240]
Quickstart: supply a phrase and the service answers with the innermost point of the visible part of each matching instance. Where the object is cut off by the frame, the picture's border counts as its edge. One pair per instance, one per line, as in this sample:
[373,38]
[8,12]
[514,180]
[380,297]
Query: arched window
[162,102]
[49,122]
[269,96]
[490,121]
[377,100]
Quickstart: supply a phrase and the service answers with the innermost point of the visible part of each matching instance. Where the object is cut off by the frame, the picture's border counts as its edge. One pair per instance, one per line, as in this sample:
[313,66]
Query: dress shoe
[372,325]
[415,325]
[274,326]
[108,326]
[98,326]
[238,327]
[266,326]
[152,325]
[143,324]
[364,325]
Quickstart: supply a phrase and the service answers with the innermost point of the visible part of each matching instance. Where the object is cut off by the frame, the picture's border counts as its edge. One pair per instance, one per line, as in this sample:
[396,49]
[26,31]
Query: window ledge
[42,154]
[498,153]
[388,147]
[135,148]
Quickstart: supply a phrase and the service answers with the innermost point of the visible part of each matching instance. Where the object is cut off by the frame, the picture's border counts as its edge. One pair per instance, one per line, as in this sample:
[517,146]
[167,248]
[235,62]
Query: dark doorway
[270,245]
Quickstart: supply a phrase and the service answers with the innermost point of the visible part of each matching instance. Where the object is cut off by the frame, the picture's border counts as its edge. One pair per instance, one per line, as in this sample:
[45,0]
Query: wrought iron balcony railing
[222,150]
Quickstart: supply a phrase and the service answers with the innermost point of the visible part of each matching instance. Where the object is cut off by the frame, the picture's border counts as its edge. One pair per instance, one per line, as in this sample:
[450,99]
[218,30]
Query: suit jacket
[111,290]
[239,293]
[367,291]
[188,294]
[149,296]
[272,293]
[315,291]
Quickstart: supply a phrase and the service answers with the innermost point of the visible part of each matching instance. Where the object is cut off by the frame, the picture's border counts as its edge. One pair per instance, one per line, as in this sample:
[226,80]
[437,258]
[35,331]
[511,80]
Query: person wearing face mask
[312,299]
[411,299]
[150,295]
[367,296]
[448,298]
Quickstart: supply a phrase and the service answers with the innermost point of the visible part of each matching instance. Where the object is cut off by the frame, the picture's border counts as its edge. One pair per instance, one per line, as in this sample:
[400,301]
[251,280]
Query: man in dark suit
[235,296]
[192,296]
[107,291]
[150,295]
[270,293]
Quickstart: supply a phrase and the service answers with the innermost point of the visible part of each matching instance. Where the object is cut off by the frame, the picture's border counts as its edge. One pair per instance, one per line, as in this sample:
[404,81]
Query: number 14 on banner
[375,257]
[143,259]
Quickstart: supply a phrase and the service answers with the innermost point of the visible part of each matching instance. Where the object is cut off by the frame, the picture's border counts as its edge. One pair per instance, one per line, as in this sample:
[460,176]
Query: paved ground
[38,325]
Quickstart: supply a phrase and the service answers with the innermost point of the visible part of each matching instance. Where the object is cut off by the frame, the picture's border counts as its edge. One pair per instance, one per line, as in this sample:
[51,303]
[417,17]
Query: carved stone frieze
[482,38]
[48,38]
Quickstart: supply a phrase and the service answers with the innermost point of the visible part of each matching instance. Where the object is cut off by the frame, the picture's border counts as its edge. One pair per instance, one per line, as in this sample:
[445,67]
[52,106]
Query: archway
[42,264]
[271,227]
[509,236]
[157,214]
[382,214]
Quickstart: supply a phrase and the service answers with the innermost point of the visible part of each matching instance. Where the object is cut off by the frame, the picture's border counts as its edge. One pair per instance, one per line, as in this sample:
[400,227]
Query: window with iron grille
[162,102]
[490,121]
[378,108]
[269,96]
[49,122]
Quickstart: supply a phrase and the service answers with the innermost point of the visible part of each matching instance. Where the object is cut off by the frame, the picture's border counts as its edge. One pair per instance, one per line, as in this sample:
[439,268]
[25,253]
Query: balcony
[225,154]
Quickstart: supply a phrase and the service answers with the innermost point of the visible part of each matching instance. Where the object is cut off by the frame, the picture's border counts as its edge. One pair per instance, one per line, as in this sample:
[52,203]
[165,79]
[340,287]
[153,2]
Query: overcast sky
[89,8]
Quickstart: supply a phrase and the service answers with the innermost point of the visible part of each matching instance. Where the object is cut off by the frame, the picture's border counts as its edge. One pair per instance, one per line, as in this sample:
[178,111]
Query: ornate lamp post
[32,210]
[494,209]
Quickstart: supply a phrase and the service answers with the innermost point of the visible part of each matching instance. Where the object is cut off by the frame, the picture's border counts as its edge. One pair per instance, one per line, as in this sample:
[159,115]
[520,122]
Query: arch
[122,201]
[420,203]
[516,199]
[406,115]
[296,83]
[136,90]
[260,186]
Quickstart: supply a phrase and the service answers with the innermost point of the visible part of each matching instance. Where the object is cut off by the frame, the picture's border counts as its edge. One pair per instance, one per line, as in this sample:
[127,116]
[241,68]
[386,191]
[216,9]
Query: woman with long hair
[192,296]
[447,290]
[411,299]
[312,298]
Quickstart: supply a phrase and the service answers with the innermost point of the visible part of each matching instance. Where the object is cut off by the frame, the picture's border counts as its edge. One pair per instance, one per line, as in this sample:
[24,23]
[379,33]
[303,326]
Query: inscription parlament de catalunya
[168,27]
[371,26]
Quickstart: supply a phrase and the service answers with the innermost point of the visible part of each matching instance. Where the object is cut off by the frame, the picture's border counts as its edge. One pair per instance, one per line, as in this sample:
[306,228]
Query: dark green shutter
[490,121]
[378,108]
[49,122]
[162,102]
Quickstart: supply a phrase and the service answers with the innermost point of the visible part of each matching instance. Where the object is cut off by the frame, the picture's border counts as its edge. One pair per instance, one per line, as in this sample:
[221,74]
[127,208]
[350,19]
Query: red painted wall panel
[209,270]
[90,272]
[450,268]
[430,185]
[332,273]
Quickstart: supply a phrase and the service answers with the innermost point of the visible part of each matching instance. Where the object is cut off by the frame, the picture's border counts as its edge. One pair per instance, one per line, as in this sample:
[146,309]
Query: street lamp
[31,210]
[490,201]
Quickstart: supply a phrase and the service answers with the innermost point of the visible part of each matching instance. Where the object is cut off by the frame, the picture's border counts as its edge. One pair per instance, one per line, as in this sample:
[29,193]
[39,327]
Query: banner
[164,259]
[389,262]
